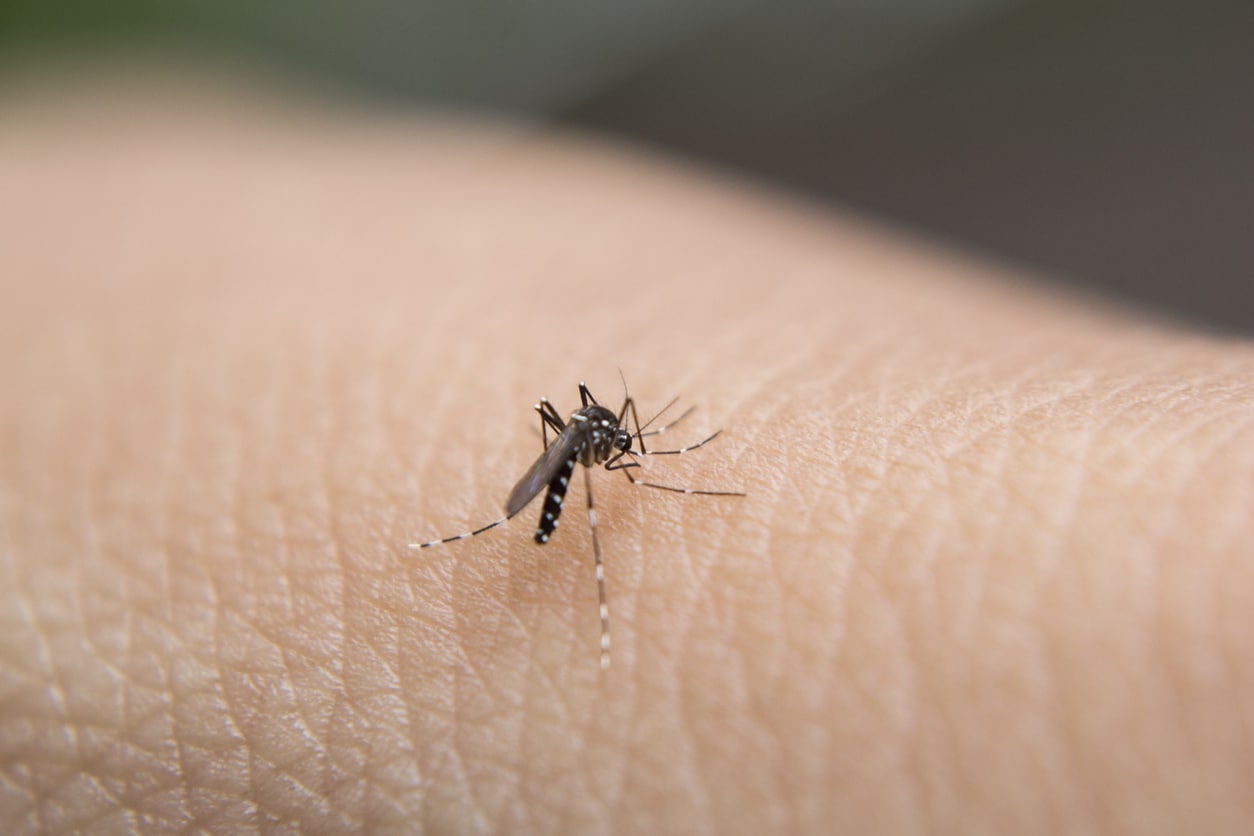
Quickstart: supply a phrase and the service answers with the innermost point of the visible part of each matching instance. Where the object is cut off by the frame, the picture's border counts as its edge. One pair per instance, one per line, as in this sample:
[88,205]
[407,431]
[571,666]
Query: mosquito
[593,435]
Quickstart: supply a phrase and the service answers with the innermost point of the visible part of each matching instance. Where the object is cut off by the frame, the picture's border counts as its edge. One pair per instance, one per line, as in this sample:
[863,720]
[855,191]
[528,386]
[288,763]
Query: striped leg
[691,491]
[431,543]
[596,551]
[682,450]
[549,418]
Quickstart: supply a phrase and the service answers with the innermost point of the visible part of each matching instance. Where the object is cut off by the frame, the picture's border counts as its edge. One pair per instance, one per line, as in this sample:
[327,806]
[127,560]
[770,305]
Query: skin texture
[992,573]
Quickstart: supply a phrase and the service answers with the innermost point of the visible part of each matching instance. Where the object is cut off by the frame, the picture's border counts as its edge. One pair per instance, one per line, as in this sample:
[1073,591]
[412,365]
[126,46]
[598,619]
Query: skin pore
[991,573]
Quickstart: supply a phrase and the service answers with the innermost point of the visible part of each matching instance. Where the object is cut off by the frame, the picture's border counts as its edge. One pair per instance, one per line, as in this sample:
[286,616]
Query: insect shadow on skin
[593,435]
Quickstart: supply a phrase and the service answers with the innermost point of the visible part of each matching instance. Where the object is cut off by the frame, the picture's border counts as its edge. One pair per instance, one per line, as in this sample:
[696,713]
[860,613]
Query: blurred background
[1107,144]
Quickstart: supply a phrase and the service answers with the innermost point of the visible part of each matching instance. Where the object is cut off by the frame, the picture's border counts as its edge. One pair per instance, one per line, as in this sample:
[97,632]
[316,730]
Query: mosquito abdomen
[553,502]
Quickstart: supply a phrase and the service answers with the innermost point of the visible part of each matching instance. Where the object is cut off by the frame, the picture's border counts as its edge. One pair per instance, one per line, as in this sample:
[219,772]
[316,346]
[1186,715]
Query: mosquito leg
[667,426]
[681,450]
[544,427]
[613,465]
[622,413]
[549,418]
[596,551]
[551,415]
[672,489]
[431,543]
[636,418]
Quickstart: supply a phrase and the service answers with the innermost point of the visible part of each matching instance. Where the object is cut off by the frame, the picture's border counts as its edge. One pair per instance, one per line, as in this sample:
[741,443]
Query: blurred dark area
[1104,143]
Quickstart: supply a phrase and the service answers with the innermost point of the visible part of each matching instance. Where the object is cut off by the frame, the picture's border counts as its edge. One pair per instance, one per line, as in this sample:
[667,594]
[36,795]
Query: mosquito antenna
[656,415]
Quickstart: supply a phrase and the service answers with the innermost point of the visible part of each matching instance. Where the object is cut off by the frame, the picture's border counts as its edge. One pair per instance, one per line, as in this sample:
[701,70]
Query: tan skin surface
[992,573]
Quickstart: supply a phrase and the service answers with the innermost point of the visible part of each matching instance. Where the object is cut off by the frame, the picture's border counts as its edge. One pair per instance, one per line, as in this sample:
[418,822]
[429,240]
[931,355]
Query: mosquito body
[593,435]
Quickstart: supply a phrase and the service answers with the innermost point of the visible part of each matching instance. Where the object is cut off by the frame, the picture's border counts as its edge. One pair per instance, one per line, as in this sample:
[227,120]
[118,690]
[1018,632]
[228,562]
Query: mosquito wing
[564,448]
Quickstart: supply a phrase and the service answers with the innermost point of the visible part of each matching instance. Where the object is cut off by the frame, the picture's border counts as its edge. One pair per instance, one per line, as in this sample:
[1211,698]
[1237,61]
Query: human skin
[992,573]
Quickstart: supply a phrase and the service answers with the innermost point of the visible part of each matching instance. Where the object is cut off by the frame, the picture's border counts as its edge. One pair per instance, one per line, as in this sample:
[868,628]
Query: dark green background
[1108,142]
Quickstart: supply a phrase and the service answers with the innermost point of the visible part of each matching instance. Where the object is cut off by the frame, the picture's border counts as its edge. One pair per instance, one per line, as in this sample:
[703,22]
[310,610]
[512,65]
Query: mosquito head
[622,440]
